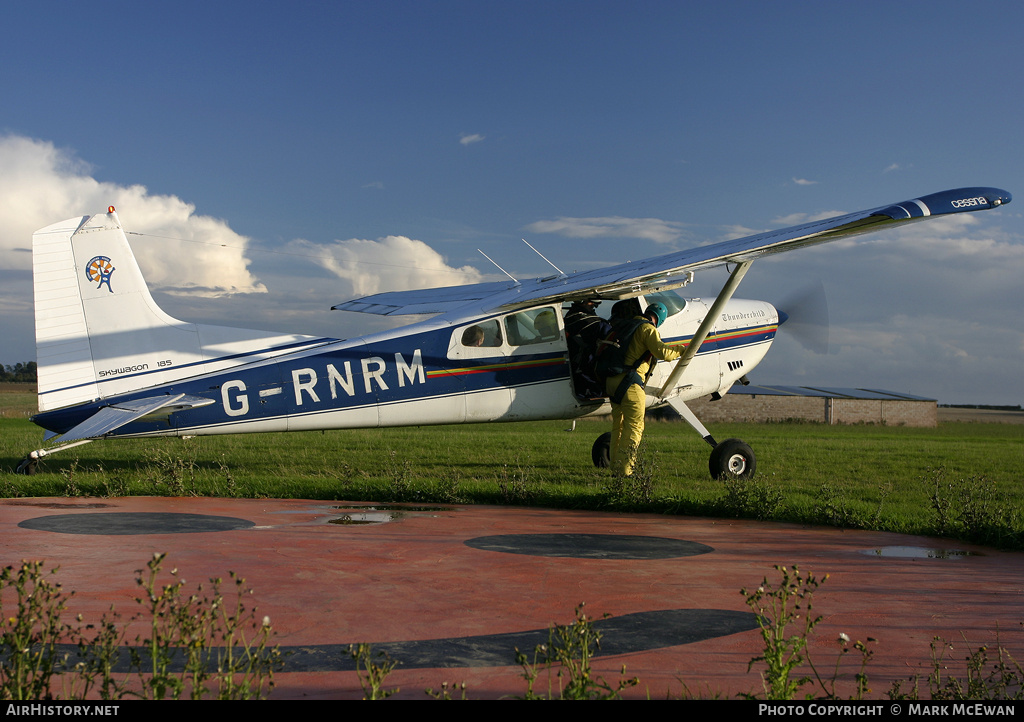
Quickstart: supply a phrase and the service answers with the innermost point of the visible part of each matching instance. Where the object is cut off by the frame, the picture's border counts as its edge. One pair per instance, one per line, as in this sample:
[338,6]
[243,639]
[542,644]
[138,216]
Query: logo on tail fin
[98,271]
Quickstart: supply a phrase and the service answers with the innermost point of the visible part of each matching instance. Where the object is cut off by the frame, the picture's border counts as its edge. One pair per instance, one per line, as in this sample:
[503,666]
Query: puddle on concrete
[916,553]
[366,517]
[380,513]
[355,514]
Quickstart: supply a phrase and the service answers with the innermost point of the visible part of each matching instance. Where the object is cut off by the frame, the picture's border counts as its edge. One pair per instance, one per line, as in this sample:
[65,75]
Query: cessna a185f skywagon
[112,364]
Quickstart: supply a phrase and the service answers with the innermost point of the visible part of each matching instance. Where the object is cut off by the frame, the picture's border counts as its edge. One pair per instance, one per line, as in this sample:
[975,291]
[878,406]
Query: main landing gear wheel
[601,453]
[732,459]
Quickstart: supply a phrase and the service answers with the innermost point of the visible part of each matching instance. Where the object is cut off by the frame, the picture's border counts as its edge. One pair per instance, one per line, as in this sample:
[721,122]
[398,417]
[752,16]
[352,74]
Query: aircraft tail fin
[100,333]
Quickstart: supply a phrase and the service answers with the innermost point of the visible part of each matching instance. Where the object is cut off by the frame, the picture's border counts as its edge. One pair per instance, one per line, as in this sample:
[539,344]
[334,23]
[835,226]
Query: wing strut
[705,328]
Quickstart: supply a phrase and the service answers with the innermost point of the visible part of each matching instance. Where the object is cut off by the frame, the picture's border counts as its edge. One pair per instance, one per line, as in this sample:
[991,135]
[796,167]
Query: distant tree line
[19,373]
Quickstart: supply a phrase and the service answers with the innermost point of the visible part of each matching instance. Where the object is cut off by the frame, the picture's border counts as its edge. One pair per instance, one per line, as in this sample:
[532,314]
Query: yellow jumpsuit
[628,416]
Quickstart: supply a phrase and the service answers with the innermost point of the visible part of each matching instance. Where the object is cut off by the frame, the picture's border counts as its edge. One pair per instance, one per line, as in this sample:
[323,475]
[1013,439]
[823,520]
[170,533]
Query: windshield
[672,300]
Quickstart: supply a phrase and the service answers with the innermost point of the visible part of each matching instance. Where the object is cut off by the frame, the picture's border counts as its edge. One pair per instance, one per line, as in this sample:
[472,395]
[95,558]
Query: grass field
[17,401]
[960,480]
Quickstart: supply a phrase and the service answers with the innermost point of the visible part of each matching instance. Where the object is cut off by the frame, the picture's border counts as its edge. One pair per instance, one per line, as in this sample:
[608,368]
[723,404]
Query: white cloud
[804,182]
[892,167]
[794,219]
[653,229]
[469,139]
[393,263]
[41,184]
[731,232]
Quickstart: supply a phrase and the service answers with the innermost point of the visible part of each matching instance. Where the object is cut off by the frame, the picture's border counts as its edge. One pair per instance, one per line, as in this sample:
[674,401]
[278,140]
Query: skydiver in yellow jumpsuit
[628,414]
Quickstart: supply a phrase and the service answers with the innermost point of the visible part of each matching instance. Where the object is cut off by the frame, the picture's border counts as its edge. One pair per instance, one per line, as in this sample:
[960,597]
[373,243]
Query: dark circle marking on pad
[590,546]
[134,522]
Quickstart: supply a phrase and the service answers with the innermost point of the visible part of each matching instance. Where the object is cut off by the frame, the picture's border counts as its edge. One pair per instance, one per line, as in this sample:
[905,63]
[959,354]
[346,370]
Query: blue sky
[342,148]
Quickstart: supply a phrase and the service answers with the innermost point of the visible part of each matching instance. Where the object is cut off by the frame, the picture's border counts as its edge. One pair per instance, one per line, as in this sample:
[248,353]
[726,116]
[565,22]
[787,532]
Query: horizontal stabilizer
[114,417]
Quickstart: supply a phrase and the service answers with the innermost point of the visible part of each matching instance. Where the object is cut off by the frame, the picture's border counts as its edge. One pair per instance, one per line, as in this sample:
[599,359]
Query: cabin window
[504,336]
[485,334]
[538,325]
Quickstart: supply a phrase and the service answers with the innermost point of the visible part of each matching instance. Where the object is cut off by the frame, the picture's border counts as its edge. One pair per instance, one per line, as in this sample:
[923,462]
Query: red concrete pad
[449,590]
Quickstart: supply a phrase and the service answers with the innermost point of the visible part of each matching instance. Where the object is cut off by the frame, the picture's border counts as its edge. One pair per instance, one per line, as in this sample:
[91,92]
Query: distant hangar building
[817,404]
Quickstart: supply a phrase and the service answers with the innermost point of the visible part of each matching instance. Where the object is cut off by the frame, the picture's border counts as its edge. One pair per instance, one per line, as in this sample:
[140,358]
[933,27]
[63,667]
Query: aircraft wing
[115,416]
[669,271]
[428,300]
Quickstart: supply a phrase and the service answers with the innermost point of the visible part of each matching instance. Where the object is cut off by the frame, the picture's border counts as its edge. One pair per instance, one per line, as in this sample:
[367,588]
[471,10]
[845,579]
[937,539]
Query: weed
[372,674]
[513,483]
[241,667]
[170,473]
[32,634]
[399,477]
[884,492]
[777,607]
[446,691]
[343,473]
[831,509]
[115,485]
[750,498]
[35,644]
[942,502]
[570,649]
[1003,678]
[230,487]
[973,509]
[69,475]
[97,657]
[861,678]
[790,603]
[8,490]
[176,659]
[447,489]
[637,488]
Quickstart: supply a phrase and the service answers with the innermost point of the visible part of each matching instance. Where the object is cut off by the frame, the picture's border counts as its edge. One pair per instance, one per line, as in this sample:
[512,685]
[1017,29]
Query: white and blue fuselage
[418,375]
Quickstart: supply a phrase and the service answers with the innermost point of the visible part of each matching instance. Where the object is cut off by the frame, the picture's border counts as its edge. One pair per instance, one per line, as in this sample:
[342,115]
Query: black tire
[27,467]
[732,459]
[601,453]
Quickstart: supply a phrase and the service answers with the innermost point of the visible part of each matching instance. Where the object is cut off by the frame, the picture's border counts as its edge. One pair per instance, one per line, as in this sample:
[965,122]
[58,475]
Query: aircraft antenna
[560,271]
[499,267]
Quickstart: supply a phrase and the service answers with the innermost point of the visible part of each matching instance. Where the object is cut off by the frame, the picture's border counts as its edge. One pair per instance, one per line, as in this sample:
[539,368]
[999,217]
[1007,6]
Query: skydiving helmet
[659,311]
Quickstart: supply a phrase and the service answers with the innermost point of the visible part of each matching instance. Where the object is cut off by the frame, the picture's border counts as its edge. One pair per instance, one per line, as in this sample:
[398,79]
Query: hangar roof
[826,392]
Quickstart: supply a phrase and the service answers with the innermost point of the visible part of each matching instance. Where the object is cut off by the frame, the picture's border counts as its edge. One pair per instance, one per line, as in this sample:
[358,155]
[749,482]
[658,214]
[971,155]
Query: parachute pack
[611,352]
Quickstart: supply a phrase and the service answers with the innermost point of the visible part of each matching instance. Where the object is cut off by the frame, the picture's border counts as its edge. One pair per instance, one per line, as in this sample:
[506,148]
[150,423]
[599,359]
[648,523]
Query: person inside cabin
[473,336]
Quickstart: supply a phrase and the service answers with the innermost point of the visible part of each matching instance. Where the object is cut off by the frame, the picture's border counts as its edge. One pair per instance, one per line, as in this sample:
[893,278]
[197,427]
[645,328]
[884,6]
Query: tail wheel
[27,467]
[601,453]
[732,459]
